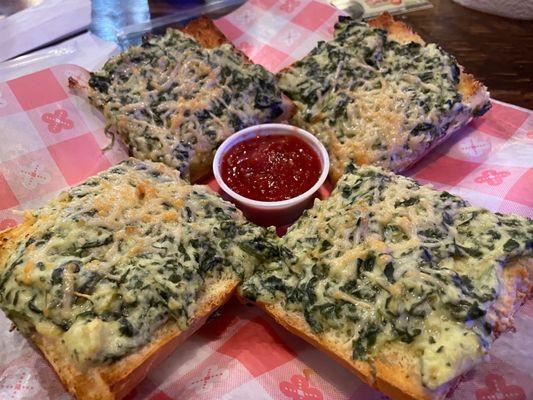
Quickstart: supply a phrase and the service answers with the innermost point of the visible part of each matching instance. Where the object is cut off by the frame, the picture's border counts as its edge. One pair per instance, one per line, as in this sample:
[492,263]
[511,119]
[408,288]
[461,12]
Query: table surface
[497,51]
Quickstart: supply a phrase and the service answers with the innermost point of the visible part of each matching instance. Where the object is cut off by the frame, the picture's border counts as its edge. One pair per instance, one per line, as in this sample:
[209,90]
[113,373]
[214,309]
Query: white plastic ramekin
[267,213]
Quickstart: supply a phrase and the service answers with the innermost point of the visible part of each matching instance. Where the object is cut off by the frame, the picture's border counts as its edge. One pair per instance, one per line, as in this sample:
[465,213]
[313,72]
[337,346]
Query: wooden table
[498,51]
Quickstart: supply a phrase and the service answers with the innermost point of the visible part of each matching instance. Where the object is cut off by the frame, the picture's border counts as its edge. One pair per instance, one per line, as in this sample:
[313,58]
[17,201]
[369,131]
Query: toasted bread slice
[108,278]
[374,279]
[380,97]
[395,371]
[475,95]
[178,110]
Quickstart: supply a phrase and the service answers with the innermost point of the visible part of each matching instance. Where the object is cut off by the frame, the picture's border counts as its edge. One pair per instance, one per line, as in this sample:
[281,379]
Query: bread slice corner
[204,30]
[474,93]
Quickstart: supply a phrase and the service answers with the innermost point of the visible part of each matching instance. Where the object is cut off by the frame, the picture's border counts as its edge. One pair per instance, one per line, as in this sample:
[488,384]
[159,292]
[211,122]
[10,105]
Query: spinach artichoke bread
[377,94]
[177,97]
[111,275]
[405,285]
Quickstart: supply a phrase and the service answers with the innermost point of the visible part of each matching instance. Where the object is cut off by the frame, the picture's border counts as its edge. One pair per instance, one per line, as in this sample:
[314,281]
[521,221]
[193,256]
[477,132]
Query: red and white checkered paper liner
[51,139]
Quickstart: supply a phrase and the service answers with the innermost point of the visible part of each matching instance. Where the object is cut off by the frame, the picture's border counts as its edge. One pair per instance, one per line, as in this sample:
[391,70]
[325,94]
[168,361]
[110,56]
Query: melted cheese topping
[384,259]
[105,264]
[372,100]
[173,101]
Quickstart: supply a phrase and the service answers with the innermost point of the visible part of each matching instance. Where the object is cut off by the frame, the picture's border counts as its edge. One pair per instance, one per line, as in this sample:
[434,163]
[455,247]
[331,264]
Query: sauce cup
[267,213]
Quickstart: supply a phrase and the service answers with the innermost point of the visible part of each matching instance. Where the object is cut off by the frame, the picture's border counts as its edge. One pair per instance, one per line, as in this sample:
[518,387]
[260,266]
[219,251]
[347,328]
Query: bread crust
[9,236]
[396,30]
[296,324]
[395,369]
[205,32]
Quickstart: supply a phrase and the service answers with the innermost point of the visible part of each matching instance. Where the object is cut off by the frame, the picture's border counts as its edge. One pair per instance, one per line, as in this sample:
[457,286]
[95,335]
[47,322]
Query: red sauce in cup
[271,168]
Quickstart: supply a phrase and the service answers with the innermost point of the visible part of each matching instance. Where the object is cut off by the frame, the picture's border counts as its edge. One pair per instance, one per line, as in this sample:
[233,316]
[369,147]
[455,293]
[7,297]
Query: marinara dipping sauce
[271,172]
[271,168]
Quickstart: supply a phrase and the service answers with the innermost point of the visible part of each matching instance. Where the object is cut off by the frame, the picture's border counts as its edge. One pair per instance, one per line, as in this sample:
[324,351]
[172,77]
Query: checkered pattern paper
[277,33]
[50,139]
